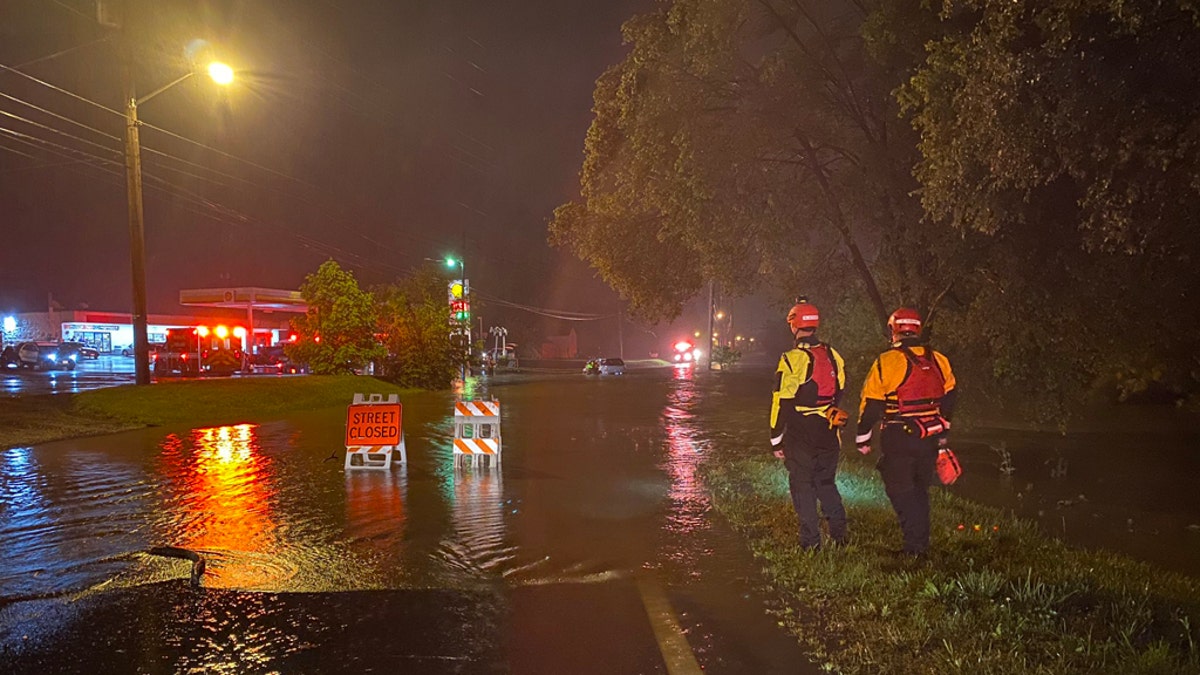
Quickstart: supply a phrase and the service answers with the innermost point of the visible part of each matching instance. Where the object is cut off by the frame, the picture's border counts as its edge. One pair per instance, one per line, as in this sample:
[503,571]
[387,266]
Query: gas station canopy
[250,299]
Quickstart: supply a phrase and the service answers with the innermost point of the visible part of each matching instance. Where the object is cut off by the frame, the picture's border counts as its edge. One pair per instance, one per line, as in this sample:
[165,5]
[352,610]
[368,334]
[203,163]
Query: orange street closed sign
[373,424]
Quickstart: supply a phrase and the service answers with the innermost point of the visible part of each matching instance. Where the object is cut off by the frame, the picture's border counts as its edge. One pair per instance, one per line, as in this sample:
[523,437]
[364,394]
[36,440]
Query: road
[106,371]
[592,548]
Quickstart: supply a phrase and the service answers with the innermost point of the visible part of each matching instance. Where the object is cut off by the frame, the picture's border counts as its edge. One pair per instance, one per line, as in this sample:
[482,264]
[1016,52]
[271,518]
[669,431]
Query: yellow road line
[671,641]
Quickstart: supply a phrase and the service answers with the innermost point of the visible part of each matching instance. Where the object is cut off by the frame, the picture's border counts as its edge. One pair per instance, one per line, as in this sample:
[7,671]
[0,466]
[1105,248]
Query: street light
[222,75]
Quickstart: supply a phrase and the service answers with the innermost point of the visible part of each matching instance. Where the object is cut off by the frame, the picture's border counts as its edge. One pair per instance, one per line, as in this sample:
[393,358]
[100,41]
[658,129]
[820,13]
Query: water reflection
[689,503]
[219,499]
[375,512]
[53,537]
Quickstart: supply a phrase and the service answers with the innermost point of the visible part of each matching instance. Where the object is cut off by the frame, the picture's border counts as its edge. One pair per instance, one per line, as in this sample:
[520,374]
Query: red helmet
[803,316]
[905,321]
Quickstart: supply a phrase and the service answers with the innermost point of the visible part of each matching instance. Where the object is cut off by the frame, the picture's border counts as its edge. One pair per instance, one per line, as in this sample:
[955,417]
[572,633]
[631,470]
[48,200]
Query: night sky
[376,132]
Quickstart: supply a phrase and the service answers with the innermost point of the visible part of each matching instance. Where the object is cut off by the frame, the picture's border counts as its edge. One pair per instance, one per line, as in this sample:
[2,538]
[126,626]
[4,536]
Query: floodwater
[549,562]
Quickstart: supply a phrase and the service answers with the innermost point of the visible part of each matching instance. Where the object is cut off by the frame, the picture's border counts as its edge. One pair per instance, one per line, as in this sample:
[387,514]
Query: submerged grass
[37,419]
[995,596]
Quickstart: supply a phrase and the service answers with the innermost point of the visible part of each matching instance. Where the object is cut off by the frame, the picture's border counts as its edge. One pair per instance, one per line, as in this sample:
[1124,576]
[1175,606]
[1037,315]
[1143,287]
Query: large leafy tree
[743,141]
[413,322]
[1037,208]
[337,334]
[1069,132]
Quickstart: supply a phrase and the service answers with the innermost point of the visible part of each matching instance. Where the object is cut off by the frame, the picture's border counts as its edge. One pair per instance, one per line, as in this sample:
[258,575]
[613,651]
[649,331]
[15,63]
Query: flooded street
[588,547]
[594,521]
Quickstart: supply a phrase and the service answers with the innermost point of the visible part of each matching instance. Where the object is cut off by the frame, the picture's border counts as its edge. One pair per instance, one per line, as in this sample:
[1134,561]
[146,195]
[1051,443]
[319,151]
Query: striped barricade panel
[476,446]
[371,456]
[477,409]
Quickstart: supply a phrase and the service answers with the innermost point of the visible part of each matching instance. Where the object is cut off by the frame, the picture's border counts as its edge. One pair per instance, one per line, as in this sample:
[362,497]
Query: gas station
[248,300]
[112,332]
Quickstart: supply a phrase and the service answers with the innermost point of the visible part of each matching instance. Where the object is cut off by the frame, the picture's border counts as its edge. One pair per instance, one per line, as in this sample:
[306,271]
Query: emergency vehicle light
[222,332]
[202,331]
[239,332]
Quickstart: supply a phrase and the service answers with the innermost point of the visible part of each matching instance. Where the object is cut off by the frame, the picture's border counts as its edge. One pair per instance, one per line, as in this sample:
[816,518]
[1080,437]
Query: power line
[56,131]
[61,90]
[541,311]
[61,52]
[195,199]
[71,9]
[169,156]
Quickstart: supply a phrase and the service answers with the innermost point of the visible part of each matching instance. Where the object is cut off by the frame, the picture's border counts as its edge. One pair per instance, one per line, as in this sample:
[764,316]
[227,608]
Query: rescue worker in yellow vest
[910,389]
[804,426]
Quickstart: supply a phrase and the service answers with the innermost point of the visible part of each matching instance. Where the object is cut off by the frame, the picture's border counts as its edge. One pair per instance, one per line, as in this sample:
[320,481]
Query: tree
[1067,132]
[743,141]
[337,333]
[414,323]
[725,356]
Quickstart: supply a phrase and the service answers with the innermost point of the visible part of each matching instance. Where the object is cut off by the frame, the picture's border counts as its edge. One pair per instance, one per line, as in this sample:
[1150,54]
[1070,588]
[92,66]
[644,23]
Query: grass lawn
[995,596]
[37,419]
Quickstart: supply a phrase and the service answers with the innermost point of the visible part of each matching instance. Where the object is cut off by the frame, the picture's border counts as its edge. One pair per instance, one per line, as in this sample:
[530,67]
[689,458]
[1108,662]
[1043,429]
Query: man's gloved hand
[836,416]
[778,454]
[864,448]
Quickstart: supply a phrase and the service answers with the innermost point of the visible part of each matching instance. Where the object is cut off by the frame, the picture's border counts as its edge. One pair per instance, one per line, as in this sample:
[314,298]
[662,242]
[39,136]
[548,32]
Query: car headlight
[74,356]
[52,356]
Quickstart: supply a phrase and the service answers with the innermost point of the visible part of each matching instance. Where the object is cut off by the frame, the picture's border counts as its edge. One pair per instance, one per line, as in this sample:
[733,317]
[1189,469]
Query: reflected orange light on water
[222,503]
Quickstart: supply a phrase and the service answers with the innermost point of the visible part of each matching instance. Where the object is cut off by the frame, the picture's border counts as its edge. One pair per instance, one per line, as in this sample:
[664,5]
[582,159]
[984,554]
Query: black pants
[907,468]
[810,450]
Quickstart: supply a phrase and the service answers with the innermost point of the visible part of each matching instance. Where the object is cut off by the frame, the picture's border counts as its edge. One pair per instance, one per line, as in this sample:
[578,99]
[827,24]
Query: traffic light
[456,294]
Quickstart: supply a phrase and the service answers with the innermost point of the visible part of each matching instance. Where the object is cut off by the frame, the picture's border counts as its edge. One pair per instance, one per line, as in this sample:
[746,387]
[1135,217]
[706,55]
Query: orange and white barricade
[373,432]
[375,456]
[477,432]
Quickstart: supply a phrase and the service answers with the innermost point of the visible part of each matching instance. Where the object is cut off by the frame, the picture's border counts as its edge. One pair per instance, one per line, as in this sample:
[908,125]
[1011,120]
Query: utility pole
[137,227]
[620,336]
[712,308]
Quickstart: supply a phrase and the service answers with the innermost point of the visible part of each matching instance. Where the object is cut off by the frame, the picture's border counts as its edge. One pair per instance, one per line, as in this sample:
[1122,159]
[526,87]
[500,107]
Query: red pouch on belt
[926,425]
[948,469]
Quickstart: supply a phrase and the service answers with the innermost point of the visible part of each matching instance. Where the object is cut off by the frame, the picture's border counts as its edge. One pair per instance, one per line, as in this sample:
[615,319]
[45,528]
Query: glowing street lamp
[221,74]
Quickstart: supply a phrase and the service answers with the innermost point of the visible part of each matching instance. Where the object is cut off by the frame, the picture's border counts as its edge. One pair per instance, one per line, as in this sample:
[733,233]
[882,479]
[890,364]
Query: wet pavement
[591,548]
[110,370]
[106,371]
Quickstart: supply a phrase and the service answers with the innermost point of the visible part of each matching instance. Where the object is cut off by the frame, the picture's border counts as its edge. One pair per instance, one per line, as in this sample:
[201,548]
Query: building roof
[244,298]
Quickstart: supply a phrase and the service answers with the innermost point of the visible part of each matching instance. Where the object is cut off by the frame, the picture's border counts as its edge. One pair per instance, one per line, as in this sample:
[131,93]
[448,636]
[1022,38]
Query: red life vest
[923,387]
[823,371]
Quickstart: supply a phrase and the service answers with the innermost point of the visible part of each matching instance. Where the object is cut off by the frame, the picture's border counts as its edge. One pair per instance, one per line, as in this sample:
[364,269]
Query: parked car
[155,348]
[604,367]
[43,355]
[275,360]
[8,357]
[84,351]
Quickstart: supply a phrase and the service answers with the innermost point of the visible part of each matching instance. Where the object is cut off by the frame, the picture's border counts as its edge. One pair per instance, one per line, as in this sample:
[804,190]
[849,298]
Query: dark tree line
[1024,172]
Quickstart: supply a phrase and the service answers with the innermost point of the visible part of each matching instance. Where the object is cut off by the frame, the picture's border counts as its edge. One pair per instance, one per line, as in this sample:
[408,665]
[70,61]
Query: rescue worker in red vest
[804,426]
[910,389]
